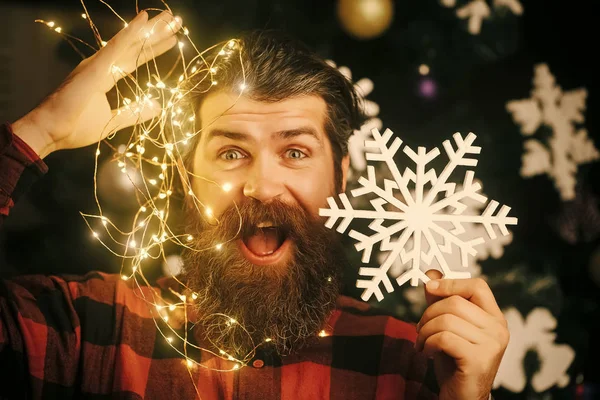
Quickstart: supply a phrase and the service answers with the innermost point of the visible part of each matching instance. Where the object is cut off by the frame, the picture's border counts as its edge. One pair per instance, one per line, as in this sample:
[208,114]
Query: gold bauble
[365,19]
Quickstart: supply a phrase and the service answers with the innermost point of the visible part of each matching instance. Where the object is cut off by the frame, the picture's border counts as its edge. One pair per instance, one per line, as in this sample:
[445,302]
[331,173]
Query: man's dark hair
[277,67]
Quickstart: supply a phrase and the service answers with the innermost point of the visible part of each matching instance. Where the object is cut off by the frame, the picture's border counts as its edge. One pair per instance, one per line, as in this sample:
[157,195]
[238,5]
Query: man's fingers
[151,52]
[449,343]
[162,26]
[451,323]
[432,274]
[132,114]
[460,307]
[122,40]
[475,290]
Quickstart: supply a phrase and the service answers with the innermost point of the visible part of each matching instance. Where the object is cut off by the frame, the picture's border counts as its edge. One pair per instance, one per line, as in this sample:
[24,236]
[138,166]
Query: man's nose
[264,182]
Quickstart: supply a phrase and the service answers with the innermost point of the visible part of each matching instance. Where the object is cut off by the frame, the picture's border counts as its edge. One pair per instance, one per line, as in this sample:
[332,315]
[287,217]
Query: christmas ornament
[365,19]
[488,248]
[568,146]
[420,216]
[533,333]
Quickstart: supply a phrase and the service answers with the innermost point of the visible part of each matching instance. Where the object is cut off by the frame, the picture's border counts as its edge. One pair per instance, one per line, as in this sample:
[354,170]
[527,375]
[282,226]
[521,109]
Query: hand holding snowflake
[421,216]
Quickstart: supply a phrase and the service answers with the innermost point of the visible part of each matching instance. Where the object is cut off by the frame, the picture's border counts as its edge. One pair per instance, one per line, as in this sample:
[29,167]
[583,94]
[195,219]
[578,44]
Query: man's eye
[230,155]
[295,154]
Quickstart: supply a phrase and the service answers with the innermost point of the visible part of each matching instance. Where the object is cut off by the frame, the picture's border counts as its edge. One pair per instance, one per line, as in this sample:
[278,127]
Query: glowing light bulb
[190,238]
[143,209]
[194,296]
[268,340]
[162,195]
[132,244]
[208,211]
[95,234]
[222,53]
[83,16]
[213,70]
[227,187]
[236,366]
[152,181]
[103,43]
[190,363]
[192,118]
[172,307]
[233,321]
[59,29]
[170,339]
[323,333]
[163,167]
[423,69]
[166,319]
[194,69]
[186,31]
[218,246]
[124,277]
[160,85]
[141,224]
[50,24]
[181,44]
[214,83]
[243,86]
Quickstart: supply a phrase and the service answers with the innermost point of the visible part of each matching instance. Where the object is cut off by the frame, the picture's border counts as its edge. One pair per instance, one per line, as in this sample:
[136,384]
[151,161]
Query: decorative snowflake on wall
[356,144]
[475,11]
[421,216]
[567,147]
[533,333]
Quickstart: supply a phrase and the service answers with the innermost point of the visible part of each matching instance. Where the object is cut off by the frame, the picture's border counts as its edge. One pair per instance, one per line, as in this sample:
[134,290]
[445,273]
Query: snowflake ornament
[475,11]
[533,333]
[488,248]
[568,147]
[420,216]
[356,147]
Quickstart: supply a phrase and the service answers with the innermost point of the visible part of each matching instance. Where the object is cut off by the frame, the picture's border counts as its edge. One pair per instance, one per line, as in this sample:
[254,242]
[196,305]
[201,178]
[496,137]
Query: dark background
[475,77]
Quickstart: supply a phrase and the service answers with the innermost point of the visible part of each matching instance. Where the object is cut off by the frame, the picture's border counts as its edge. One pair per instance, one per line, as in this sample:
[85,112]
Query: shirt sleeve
[20,167]
[40,336]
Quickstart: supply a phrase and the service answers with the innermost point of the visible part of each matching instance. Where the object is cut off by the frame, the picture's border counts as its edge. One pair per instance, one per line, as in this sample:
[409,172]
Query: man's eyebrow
[292,133]
[215,133]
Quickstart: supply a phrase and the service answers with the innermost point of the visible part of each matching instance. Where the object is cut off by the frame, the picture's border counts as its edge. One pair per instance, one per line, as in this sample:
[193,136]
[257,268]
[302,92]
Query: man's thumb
[432,274]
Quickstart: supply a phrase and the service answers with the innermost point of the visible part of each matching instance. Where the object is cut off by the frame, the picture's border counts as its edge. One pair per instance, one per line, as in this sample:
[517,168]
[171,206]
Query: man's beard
[287,303]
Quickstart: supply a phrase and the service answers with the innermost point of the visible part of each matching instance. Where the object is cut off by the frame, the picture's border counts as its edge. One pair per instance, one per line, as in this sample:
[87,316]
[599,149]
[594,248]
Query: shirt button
[258,363]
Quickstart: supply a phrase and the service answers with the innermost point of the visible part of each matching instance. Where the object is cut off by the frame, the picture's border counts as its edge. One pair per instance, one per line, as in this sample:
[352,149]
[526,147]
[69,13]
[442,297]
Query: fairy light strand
[153,153]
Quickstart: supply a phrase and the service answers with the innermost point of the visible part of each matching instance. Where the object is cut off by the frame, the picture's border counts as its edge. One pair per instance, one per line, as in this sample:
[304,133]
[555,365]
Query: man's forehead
[223,108]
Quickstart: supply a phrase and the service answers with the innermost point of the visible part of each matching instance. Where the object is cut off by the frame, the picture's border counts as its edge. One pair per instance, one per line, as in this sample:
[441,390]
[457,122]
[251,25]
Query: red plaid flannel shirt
[93,337]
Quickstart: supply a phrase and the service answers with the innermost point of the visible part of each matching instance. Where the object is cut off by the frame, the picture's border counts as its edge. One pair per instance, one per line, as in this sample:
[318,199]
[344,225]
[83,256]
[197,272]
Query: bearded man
[280,145]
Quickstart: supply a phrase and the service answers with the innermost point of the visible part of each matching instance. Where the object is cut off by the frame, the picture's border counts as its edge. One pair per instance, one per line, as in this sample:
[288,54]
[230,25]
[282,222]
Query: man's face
[262,255]
[264,151]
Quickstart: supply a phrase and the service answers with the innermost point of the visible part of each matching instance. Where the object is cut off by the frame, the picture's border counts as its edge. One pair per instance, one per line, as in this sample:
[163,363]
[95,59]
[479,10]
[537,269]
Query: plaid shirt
[93,337]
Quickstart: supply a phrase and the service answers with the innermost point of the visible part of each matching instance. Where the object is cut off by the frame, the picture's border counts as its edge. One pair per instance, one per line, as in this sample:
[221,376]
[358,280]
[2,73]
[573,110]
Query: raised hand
[465,331]
[78,113]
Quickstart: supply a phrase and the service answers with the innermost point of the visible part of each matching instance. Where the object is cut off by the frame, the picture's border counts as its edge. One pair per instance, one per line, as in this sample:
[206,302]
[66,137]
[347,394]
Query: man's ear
[345,166]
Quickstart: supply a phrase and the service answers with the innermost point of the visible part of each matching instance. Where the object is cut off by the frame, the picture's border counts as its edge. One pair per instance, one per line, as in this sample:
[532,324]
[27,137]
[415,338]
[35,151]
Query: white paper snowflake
[488,248]
[568,147]
[419,216]
[533,333]
[356,144]
[475,11]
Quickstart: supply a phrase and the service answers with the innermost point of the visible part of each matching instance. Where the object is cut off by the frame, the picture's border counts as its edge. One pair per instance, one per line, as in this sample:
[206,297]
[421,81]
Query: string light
[152,150]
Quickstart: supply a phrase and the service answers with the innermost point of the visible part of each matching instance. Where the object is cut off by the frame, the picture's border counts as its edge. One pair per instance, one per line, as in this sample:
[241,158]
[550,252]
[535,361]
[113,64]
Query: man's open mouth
[264,243]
